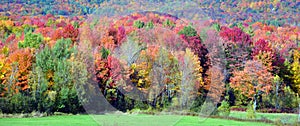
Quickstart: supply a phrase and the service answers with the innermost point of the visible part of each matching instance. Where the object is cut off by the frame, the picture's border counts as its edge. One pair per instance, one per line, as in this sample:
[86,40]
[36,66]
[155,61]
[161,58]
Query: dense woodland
[56,61]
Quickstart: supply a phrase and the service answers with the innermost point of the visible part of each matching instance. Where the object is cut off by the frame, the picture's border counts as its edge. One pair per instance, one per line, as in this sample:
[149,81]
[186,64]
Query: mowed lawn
[285,117]
[123,120]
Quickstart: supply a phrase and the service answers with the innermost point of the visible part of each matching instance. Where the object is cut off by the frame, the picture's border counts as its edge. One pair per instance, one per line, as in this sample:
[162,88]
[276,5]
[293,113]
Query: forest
[68,56]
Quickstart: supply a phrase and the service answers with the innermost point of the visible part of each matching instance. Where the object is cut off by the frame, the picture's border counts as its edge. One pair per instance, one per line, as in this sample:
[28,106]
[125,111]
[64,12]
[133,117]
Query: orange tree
[253,81]
[23,59]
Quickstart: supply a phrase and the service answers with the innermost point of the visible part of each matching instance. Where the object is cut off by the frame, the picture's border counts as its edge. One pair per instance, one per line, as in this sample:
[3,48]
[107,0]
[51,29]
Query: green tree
[57,69]
[44,99]
[31,40]
[150,25]
[188,31]
[139,24]
[224,109]
[168,23]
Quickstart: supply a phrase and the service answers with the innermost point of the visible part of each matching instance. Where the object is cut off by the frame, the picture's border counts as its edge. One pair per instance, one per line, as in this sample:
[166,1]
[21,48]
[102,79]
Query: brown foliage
[215,83]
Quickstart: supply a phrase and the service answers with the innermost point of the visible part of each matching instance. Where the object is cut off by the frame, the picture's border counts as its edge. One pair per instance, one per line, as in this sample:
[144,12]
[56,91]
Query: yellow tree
[3,71]
[295,70]
[191,78]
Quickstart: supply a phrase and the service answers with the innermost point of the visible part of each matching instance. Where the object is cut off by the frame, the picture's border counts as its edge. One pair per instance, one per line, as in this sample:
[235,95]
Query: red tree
[70,32]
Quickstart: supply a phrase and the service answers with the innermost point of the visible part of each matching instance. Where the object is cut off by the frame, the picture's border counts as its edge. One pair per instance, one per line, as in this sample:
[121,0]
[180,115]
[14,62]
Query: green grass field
[286,117]
[117,120]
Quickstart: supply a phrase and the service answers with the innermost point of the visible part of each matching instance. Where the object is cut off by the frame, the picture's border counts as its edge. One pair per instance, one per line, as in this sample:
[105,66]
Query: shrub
[224,109]
[250,112]
[17,103]
[1,114]
[289,100]
[199,100]
[238,108]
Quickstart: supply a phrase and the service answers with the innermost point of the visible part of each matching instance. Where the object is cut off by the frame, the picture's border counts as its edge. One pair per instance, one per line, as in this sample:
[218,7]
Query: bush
[238,108]
[17,103]
[289,100]
[250,112]
[224,109]
[1,114]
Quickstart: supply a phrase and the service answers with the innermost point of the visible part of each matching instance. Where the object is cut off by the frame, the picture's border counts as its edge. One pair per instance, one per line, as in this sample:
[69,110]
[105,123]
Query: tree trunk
[298,107]
[298,112]
[276,102]
[255,103]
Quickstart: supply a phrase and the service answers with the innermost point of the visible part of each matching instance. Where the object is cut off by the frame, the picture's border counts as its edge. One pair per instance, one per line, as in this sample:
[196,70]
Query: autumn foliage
[253,79]
[145,60]
[20,62]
